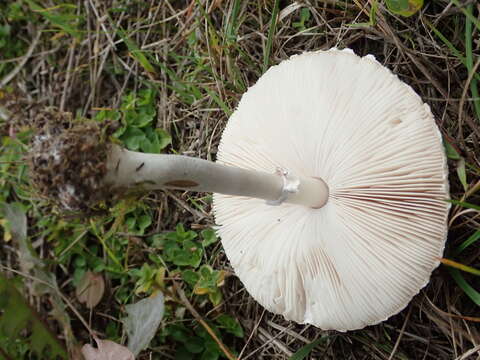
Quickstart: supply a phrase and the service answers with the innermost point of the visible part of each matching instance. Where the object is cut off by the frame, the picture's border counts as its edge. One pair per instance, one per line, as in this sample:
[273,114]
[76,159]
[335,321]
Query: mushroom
[330,187]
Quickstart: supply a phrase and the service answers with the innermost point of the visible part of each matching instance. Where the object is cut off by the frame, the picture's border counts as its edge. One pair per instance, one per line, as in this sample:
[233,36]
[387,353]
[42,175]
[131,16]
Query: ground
[172,72]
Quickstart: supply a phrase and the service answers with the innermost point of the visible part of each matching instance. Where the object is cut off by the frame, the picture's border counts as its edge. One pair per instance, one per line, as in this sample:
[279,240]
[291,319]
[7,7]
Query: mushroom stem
[127,169]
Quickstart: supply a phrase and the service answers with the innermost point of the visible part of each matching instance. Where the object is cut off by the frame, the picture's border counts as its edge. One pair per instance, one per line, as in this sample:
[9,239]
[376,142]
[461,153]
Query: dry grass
[202,55]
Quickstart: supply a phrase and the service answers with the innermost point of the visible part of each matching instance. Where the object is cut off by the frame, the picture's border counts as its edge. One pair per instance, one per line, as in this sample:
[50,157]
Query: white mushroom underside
[363,256]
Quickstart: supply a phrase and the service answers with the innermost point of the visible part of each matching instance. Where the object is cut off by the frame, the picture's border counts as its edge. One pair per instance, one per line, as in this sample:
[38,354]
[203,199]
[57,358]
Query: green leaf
[187,253]
[304,16]
[467,13]
[155,141]
[147,146]
[17,316]
[215,297]
[63,20]
[450,151]
[136,52]
[130,222]
[143,222]
[462,174]
[464,204]
[179,333]
[404,7]
[182,353]
[206,271]
[180,235]
[144,118]
[209,282]
[164,138]
[147,97]
[190,277]
[230,325]
[473,294]
[271,34]
[305,350]
[471,240]
[209,237]
[210,354]
[146,277]
[132,138]
[194,345]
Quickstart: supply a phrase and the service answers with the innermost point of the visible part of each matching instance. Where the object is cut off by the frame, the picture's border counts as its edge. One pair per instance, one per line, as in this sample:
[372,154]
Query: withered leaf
[91,289]
[106,350]
[143,320]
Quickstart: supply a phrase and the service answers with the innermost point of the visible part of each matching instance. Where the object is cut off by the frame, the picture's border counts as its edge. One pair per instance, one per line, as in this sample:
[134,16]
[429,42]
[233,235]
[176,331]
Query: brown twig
[22,62]
[402,330]
[199,318]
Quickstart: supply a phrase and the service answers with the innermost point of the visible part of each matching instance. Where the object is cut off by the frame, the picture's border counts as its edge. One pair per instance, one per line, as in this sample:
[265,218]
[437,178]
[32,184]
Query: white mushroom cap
[362,257]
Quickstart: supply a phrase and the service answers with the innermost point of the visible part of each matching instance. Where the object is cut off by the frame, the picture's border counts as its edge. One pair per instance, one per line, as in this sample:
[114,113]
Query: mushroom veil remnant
[330,187]
[361,257]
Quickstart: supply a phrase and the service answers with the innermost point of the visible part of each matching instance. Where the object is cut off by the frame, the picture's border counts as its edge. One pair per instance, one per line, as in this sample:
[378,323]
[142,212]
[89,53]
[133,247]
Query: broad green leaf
[194,345]
[190,277]
[17,316]
[209,237]
[215,297]
[155,141]
[182,353]
[210,355]
[130,223]
[143,222]
[230,325]
[144,117]
[180,235]
[404,7]
[142,321]
[147,146]
[164,138]
[179,333]
[133,137]
[186,253]
[209,282]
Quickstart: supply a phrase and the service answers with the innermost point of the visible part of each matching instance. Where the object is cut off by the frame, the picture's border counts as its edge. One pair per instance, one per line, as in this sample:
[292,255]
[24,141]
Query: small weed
[404,7]
[304,18]
[137,115]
